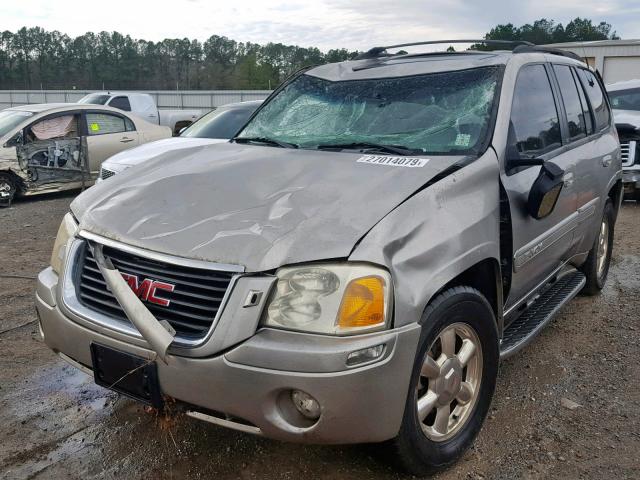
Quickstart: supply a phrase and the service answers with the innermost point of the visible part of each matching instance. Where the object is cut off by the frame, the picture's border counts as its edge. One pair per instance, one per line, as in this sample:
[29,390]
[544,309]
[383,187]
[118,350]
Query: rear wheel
[8,189]
[596,268]
[453,380]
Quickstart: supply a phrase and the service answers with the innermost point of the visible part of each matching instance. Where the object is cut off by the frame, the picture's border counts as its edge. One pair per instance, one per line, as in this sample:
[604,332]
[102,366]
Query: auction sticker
[410,162]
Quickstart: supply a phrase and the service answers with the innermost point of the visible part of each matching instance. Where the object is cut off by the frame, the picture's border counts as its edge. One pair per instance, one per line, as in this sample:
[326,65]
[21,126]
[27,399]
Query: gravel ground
[55,423]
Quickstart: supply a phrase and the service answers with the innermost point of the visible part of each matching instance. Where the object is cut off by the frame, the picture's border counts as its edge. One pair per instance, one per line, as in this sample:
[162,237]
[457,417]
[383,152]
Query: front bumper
[252,380]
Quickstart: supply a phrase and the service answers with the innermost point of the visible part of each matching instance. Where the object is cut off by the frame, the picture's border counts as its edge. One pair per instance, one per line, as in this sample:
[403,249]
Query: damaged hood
[629,117]
[256,206]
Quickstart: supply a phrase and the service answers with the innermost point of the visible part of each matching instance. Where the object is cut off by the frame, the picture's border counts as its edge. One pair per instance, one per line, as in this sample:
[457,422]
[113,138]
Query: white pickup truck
[144,106]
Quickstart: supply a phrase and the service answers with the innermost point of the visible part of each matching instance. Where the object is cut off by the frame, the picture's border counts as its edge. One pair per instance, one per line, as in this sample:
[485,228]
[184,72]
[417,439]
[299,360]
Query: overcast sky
[354,24]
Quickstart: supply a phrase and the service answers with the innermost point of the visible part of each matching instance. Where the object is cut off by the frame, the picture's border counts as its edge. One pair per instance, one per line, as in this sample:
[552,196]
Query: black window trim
[605,97]
[550,155]
[566,136]
[85,125]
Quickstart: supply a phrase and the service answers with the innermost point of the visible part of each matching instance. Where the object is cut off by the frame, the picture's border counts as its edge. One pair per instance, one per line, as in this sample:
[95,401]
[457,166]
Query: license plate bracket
[128,374]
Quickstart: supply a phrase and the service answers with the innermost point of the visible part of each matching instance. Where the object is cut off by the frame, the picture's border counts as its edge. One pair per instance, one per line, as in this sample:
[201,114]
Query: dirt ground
[55,423]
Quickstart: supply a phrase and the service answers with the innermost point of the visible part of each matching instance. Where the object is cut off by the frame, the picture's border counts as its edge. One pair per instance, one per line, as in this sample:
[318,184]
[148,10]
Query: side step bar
[529,324]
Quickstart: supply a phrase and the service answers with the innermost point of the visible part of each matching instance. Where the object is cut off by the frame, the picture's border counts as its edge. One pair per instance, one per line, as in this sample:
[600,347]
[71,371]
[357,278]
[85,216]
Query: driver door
[540,246]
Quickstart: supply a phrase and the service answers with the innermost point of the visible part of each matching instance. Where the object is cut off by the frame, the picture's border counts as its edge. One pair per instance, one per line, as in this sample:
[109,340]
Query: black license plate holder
[128,374]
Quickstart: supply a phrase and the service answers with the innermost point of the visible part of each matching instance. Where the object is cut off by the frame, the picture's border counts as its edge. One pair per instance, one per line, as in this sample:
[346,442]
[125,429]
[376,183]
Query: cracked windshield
[440,113]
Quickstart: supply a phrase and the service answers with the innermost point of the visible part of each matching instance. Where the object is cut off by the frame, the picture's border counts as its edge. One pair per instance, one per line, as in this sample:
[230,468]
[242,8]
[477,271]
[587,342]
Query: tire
[597,275]
[422,448]
[8,189]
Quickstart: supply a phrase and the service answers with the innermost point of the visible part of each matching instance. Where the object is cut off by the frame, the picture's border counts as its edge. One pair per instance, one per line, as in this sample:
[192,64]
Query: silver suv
[353,265]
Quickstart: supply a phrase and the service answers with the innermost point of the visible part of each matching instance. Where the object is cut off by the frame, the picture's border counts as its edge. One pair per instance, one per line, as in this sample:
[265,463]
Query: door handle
[606,160]
[126,140]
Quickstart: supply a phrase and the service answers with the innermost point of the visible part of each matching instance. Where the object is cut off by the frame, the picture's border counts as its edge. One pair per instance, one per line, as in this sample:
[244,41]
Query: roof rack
[542,49]
[377,52]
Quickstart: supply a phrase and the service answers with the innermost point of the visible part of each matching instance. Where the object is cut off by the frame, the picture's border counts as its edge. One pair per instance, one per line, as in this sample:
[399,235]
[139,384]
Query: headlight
[67,231]
[334,299]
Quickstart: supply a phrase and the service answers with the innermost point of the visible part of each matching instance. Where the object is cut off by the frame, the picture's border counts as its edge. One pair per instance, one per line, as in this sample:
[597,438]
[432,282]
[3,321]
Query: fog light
[306,404]
[364,355]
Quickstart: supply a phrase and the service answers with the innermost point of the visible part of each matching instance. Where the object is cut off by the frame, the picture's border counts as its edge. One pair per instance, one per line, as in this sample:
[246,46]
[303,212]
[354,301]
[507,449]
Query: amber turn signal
[362,303]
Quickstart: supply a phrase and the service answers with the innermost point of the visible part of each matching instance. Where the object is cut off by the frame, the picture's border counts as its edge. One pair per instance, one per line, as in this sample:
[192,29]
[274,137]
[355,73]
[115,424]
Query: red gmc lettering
[146,290]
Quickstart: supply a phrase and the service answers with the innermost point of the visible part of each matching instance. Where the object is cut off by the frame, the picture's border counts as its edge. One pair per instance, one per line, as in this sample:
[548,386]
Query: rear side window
[571,100]
[601,112]
[535,128]
[122,103]
[103,123]
[626,99]
[586,113]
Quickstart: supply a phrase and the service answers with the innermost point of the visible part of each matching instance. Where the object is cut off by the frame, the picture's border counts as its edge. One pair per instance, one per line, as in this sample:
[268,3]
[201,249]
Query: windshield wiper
[397,149]
[265,140]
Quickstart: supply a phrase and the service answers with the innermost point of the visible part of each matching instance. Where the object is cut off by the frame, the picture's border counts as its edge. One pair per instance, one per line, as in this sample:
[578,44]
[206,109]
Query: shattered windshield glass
[439,113]
[9,119]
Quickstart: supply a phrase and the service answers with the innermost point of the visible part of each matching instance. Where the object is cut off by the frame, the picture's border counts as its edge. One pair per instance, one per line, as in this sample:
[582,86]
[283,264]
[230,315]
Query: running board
[529,324]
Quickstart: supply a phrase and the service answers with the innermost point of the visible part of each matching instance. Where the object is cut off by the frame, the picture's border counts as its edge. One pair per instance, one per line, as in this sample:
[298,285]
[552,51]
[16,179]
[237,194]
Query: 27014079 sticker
[410,162]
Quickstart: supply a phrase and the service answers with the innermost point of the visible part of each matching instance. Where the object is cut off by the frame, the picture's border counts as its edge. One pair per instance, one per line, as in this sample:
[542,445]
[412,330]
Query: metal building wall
[622,57]
[201,99]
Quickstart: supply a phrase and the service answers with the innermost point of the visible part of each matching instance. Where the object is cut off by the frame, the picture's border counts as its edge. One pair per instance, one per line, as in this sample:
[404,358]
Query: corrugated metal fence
[204,99]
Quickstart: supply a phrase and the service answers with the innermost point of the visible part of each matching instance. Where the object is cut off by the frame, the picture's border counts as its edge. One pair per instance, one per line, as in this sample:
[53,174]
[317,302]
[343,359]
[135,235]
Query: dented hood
[260,207]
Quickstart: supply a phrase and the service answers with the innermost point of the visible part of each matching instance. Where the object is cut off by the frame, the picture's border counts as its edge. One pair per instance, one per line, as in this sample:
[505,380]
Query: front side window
[223,122]
[121,102]
[596,97]
[626,99]
[535,128]
[439,113]
[103,123]
[571,100]
[9,119]
[54,127]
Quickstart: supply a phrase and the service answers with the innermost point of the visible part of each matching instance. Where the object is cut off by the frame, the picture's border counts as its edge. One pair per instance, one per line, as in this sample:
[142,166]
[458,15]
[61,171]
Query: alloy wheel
[449,381]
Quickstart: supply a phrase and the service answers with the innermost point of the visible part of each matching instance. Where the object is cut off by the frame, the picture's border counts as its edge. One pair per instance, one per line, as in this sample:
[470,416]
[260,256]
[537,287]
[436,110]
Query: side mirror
[181,130]
[14,141]
[545,191]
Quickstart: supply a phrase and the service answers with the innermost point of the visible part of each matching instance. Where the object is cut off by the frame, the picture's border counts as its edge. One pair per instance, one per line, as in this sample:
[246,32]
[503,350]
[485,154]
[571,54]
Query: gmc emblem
[146,290]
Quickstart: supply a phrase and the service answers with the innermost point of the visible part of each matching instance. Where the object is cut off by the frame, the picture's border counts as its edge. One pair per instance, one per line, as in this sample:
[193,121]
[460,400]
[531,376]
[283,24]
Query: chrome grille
[194,302]
[628,153]
[104,173]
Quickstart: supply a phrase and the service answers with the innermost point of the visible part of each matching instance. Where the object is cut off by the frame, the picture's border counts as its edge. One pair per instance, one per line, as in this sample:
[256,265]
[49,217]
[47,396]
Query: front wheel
[453,381]
[8,189]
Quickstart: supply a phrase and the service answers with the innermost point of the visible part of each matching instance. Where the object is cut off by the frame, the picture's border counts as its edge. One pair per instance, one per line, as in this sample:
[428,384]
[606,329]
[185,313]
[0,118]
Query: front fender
[436,235]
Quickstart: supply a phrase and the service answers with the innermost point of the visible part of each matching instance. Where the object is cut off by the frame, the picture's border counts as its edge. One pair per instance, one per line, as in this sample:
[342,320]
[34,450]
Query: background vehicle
[625,100]
[216,126]
[144,106]
[52,147]
[374,240]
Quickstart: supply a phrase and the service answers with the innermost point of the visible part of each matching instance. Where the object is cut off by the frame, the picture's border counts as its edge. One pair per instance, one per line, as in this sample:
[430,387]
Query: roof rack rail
[376,52]
[550,50]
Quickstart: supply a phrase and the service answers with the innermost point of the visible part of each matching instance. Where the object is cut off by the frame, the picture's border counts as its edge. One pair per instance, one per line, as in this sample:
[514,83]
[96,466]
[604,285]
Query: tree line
[34,58]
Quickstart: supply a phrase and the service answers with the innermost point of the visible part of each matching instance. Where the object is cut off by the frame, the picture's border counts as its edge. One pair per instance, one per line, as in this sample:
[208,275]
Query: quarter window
[586,113]
[103,123]
[571,100]
[596,97]
[534,117]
